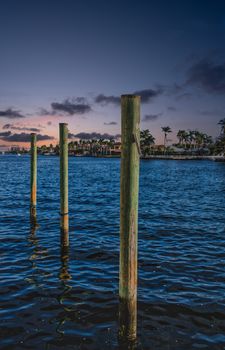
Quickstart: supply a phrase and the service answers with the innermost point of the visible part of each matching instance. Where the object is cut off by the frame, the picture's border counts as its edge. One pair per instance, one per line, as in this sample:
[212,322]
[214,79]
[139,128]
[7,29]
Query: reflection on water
[64,274]
[127,333]
[33,212]
[32,239]
[33,217]
[59,296]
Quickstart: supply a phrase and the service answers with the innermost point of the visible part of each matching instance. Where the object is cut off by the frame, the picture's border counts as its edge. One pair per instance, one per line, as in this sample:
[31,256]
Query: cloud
[103,99]
[172,109]
[5,134]
[207,75]
[72,107]
[13,127]
[75,105]
[23,137]
[151,117]
[11,114]
[111,123]
[45,112]
[49,123]
[146,96]
[92,136]
[82,100]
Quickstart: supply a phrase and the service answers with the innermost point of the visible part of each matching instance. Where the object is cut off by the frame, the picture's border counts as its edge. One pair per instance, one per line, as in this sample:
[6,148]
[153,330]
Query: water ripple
[55,298]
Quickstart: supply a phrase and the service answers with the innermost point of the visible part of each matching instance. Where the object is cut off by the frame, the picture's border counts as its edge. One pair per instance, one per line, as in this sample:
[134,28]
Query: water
[56,299]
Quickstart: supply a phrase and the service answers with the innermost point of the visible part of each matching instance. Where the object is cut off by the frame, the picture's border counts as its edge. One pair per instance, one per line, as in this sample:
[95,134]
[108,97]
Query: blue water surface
[56,299]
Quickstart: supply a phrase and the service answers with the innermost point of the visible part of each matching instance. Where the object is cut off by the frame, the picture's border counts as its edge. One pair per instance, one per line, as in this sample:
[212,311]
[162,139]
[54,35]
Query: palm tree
[57,149]
[208,141]
[191,137]
[43,148]
[101,142]
[166,130]
[186,138]
[183,137]
[220,145]
[71,146]
[110,144]
[199,139]
[180,136]
[146,141]
[222,123]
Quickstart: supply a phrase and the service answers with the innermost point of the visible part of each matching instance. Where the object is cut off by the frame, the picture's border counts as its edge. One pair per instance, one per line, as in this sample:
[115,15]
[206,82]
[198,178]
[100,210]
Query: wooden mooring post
[129,189]
[64,273]
[63,149]
[33,179]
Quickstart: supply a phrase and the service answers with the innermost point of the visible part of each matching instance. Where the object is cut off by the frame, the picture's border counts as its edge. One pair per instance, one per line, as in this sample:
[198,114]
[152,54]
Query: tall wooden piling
[129,188]
[33,179]
[63,144]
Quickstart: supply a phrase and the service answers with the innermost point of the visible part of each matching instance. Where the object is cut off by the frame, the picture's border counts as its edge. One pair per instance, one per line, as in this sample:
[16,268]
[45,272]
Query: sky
[71,60]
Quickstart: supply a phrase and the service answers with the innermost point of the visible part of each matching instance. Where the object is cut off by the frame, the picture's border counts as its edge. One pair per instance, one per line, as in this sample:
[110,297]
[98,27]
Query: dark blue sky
[71,60]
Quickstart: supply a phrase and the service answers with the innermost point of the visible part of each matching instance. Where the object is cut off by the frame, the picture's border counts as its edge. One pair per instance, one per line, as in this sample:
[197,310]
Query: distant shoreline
[158,157]
[150,157]
[185,157]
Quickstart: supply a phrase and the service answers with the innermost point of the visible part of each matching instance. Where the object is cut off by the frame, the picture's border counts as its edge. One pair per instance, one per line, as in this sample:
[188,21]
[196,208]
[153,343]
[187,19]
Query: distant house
[116,149]
[15,149]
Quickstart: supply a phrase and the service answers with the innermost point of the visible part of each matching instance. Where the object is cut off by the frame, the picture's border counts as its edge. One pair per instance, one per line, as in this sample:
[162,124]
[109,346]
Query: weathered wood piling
[33,178]
[64,273]
[129,189]
[64,215]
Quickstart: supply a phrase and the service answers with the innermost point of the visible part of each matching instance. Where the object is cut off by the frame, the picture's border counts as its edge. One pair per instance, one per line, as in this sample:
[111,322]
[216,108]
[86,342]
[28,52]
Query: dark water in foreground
[52,299]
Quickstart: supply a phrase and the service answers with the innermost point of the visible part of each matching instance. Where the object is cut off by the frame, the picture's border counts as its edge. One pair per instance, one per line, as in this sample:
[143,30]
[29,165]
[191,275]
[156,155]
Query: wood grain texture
[33,175]
[129,189]
[63,144]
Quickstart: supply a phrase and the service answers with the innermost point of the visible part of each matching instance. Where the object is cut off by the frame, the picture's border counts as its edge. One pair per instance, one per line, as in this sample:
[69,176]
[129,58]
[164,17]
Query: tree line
[189,141]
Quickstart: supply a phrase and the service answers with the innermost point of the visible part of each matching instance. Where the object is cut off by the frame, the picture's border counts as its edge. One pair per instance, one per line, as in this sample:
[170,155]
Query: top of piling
[63,123]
